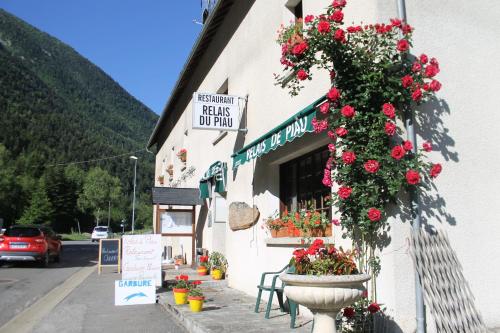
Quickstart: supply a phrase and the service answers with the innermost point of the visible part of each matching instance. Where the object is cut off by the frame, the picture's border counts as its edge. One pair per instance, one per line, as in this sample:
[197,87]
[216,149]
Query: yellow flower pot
[202,270]
[216,274]
[180,296]
[196,303]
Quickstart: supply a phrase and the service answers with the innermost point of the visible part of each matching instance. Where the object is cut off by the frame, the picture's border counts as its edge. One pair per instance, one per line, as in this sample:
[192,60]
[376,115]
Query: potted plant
[170,169]
[316,224]
[218,265]
[202,267]
[161,179]
[326,281]
[276,226]
[178,260]
[195,297]
[360,317]
[181,289]
[182,155]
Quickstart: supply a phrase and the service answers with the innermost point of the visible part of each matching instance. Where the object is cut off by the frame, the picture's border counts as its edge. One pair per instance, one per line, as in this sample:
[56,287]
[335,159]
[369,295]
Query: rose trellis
[373,81]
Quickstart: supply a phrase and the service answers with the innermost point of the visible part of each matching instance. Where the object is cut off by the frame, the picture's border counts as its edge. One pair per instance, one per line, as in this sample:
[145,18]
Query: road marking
[26,320]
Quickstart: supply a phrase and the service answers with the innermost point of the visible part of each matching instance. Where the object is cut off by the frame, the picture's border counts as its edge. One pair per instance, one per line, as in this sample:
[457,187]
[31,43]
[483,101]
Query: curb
[165,301]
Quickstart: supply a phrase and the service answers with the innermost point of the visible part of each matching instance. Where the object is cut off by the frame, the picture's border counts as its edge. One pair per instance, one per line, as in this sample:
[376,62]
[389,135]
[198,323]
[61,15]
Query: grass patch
[75,236]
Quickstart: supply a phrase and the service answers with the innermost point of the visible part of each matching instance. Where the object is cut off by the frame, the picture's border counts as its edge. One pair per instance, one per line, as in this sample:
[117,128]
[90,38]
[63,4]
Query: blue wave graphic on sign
[129,297]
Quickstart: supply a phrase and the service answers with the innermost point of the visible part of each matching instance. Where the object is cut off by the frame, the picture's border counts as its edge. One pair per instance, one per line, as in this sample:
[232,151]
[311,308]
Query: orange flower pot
[202,270]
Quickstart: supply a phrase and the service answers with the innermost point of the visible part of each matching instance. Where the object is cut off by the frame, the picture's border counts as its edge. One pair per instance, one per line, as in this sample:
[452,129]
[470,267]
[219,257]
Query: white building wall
[463,126]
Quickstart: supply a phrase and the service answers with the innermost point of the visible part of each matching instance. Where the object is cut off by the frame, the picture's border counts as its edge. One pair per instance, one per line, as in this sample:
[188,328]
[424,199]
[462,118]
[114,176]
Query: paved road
[87,308]
[23,284]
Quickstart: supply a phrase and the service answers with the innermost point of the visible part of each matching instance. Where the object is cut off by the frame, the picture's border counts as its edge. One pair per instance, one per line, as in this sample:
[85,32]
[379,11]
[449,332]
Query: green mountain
[57,107]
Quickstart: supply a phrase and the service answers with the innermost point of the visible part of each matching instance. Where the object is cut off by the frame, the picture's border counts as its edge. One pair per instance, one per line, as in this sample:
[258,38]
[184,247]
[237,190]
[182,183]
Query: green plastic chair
[273,288]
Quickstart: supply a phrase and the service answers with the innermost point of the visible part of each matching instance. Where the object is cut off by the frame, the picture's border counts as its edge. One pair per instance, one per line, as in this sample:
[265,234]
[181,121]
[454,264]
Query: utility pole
[133,198]
[109,211]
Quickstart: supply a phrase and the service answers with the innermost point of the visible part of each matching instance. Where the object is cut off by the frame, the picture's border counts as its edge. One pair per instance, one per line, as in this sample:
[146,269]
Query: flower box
[283,232]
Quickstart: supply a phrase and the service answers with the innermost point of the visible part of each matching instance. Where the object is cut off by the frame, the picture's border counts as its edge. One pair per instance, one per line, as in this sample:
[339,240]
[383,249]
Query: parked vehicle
[30,243]
[101,232]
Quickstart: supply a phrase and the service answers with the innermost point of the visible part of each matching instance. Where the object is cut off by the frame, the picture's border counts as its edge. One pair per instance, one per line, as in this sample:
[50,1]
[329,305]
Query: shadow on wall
[431,128]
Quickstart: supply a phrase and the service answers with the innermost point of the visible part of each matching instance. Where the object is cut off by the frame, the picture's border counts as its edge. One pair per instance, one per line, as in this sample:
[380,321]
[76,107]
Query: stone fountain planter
[324,295]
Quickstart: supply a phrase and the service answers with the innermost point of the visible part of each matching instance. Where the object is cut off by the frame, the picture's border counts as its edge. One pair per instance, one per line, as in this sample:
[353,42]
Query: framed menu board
[176,221]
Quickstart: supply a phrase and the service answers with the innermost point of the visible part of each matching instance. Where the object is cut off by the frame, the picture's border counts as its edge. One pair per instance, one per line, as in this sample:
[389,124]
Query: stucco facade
[242,57]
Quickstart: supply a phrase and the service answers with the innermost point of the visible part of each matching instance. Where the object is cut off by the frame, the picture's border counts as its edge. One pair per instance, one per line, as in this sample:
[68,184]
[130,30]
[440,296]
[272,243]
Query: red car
[30,243]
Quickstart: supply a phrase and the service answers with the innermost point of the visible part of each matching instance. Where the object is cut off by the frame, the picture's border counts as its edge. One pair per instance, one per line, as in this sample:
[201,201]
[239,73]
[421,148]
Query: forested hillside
[57,107]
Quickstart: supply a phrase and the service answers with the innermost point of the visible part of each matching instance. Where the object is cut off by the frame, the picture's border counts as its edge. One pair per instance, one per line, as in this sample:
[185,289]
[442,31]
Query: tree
[40,210]
[99,188]
[144,216]
[8,186]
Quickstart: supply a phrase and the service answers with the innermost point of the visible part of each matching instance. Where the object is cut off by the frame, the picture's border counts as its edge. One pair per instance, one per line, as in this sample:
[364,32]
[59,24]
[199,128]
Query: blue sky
[142,44]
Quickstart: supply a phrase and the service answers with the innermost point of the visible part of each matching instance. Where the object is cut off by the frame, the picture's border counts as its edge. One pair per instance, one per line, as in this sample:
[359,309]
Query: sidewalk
[227,310]
[90,308]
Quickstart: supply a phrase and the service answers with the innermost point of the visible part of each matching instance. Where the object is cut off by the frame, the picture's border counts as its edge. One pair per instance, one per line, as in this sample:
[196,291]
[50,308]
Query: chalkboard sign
[109,253]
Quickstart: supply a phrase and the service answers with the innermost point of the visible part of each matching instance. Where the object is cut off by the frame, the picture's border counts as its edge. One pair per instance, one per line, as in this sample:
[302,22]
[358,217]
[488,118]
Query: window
[301,184]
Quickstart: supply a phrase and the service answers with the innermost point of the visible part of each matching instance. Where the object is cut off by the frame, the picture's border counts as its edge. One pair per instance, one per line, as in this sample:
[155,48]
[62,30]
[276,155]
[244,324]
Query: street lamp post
[133,198]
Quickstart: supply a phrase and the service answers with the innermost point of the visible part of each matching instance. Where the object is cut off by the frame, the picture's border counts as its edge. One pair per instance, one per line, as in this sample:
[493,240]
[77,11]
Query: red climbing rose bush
[374,81]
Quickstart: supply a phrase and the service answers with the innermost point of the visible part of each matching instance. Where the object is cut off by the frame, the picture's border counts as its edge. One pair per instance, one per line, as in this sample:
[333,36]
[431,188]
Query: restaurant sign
[216,112]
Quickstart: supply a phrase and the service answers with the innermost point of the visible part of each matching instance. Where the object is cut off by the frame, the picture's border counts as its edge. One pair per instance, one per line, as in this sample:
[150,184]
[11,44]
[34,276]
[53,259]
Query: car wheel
[44,263]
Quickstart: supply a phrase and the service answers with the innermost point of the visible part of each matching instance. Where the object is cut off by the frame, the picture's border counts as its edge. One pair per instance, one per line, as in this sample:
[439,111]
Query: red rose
[323,27]
[337,16]
[333,94]
[406,29]
[396,22]
[302,74]
[327,179]
[348,157]
[416,67]
[331,147]
[344,192]
[335,222]
[364,294]
[407,145]
[423,58]
[332,74]
[373,308]
[372,166]
[427,146]
[412,177]
[389,110]
[403,45]
[339,35]
[416,95]
[348,111]
[434,62]
[390,128]
[341,132]
[436,170]
[331,135]
[339,3]
[300,48]
[308,18]
[398,153]
[324,108]
[348,312]
[374,214]
[435,85]
[406,81]
[431,70]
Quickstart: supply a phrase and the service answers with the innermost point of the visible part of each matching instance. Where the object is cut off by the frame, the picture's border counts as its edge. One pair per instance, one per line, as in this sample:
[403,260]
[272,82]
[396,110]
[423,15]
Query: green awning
[293,127]
[217,175]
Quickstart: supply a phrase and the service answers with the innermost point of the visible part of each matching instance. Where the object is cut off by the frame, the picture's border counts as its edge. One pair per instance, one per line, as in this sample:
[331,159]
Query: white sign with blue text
[132,292]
